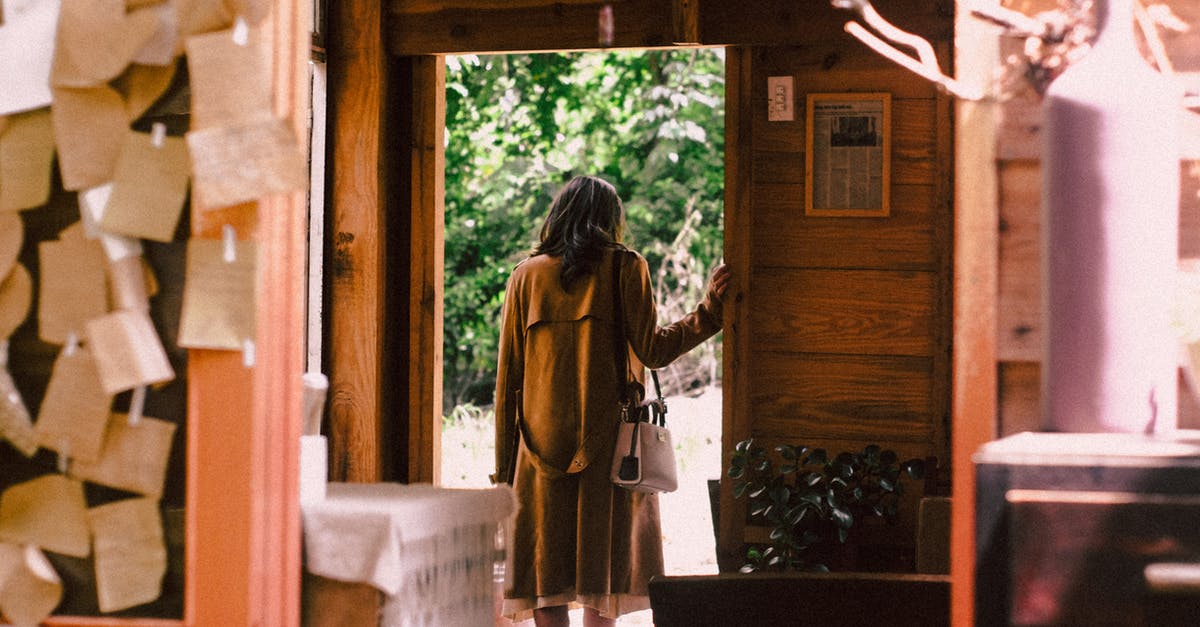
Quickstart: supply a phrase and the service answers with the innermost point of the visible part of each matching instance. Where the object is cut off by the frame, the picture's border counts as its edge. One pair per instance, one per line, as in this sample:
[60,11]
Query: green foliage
[519,126]
[812,501]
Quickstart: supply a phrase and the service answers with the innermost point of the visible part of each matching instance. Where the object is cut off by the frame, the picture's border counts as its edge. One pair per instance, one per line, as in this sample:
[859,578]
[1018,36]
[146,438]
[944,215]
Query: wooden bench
[843,599]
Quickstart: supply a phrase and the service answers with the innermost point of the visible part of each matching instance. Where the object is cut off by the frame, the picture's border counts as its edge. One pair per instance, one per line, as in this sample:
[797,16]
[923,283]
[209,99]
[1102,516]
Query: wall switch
[780,99]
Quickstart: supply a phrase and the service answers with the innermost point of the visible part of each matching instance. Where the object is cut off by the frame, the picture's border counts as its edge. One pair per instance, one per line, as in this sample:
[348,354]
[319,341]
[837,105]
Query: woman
[577,538]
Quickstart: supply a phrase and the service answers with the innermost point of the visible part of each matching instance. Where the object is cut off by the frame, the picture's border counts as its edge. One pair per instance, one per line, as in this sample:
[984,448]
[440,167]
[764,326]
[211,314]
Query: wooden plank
[854,312]
[426,269]
[523,26]
[785,237]
[358,81]
[737,417]
[1020,397]
[943,231]
[1189,209]
[842,396]
[975,285]
[1019,334]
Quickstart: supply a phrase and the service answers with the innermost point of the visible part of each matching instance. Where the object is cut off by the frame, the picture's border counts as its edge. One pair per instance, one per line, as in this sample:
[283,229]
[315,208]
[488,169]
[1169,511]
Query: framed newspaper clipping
[848,157]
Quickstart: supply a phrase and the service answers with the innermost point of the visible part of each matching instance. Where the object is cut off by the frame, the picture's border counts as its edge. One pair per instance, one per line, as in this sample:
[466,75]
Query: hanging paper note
[73,287]
[236,164]
[134,457]
[75,409]
[26,50]
[230,83]
[31,590]
[163,45]
[149,187]
[89,127]
[12,234]
[16,295]
[142,85]
[15,423]
[48,512]
[96,40]
[131,555]
[128,351]
[91,207]
[26,154]
[218,295]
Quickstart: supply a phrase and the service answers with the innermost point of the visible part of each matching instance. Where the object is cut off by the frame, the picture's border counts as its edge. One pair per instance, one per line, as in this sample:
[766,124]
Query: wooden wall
[842,336]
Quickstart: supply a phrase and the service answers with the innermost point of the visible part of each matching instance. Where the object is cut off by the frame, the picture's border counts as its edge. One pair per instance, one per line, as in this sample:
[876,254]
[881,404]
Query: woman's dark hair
[585,219]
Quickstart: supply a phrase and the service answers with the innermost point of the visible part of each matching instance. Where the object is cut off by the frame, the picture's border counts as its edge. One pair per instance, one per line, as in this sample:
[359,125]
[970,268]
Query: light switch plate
[780,99]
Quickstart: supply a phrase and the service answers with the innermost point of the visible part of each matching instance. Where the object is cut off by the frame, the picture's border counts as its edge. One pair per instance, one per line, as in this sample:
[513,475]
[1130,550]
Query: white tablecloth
[431,550]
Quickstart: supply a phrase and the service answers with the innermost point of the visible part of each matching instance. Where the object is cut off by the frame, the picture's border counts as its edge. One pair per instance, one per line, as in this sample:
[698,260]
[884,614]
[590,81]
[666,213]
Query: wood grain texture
[426,269]
[523,26]
[842,396]
[740,254]
[358,81]
[1019,325]
[781,22]
[905,240]
[854,312]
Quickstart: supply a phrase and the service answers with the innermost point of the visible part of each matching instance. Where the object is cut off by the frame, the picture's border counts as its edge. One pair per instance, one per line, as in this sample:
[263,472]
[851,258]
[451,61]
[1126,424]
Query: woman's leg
[555,616]
[592,618]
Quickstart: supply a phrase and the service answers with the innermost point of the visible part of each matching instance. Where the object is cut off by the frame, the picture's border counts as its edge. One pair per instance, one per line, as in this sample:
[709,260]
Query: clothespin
[241,31]
[137,405]
[158,134]
[248,353]
[64,455]
[606,26]
[72,344]
[925,64]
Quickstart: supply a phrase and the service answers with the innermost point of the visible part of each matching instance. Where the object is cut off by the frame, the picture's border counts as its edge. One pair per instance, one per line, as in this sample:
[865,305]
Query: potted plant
[812,501]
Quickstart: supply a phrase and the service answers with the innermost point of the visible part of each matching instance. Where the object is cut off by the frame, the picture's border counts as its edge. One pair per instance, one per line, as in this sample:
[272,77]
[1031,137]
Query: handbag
[644,455]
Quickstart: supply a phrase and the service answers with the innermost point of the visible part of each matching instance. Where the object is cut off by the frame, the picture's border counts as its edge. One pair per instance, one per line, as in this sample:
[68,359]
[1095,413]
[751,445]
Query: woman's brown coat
[576,536]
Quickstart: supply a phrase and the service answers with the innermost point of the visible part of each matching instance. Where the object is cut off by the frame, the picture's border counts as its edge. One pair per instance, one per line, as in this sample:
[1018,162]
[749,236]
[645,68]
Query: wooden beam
[426,236]
[421,27]
[739,255]
[358,83]
[976,243]
[243,524]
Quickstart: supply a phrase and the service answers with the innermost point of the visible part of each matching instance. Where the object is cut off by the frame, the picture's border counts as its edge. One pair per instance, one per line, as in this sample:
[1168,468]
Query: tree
[519,126]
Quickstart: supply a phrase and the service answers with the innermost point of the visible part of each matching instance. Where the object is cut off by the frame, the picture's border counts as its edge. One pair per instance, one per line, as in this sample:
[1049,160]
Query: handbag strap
[621,351]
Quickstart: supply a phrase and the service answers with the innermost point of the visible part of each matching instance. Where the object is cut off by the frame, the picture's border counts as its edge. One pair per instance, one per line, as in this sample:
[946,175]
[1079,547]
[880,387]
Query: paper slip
[48,512]
[73,287]
[128,351]
[203,16]
[16,295]
[91,207]
[26,154]
[131,555]
[32,588]
[96,40]
[218,309]
[26,51]
[89,128]
[231,83]
[12,235]
[75,410]
[163,45]
[134,457]
[149,188]
[15,423]
[142,85]
[236,164]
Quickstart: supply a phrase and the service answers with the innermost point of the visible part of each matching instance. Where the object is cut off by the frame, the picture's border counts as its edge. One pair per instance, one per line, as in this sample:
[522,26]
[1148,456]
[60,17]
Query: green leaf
[739,489]
[813,479]
[780,494]
[887,485]
[817,456]
[786,451]
[787,469]
[743,446]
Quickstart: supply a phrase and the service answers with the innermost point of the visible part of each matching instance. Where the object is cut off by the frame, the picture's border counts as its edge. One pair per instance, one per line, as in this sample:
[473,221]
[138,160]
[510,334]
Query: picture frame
[847,154]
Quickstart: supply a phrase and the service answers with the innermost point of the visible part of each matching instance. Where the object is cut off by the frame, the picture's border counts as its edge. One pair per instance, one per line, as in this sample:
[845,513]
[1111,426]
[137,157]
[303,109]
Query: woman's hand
[718,284]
